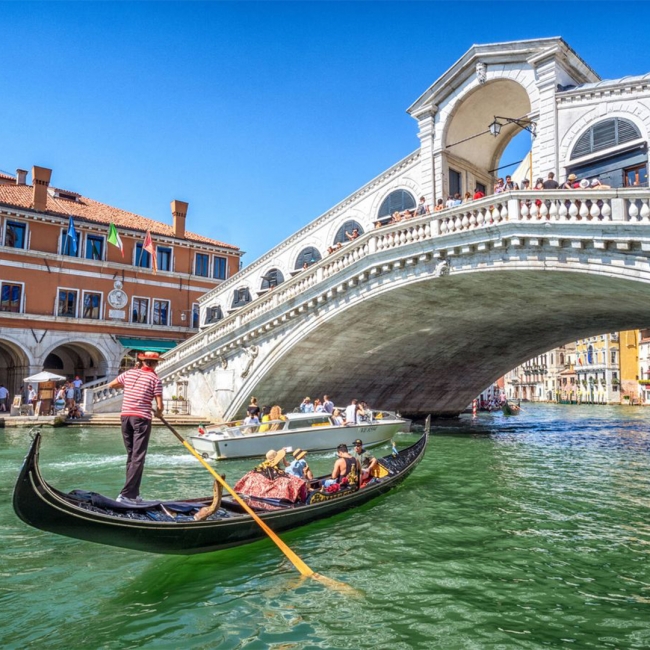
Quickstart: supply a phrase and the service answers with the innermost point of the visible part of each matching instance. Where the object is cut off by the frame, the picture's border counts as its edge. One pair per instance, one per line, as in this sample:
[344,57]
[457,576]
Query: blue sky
[260,115]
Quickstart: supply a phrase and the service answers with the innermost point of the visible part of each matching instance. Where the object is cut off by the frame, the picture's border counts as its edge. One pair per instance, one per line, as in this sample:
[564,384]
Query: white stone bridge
[423,314]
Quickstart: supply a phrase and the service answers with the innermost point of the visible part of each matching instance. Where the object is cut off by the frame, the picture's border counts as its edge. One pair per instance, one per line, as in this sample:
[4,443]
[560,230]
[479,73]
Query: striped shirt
[140,388]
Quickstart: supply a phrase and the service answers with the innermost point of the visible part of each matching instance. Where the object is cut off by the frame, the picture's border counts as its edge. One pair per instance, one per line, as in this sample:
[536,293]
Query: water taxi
[312,431]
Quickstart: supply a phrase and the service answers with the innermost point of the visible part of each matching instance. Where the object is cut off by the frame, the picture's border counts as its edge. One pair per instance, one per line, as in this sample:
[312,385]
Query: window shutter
[605,135]
[398,200]
[627,131]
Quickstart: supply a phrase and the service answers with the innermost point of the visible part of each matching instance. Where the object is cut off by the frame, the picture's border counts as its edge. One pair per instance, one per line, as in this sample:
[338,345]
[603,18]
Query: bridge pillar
[426,122]
[618,209]
[513,209]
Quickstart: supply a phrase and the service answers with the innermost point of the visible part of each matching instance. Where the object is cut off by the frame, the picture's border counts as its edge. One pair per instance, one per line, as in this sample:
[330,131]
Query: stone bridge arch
[472,112]
[515,80]
[423,342]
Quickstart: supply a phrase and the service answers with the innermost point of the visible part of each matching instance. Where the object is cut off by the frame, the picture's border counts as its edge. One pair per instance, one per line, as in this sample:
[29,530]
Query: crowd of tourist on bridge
[506,184]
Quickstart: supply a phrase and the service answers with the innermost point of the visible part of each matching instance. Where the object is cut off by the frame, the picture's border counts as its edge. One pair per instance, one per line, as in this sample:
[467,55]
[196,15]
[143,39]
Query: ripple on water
[519,532]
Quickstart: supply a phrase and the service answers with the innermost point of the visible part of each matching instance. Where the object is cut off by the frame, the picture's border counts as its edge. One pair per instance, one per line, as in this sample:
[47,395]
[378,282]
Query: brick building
[72,303]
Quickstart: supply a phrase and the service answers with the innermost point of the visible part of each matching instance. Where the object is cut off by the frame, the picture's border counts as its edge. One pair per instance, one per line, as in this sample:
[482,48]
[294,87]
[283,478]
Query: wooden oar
[291,556]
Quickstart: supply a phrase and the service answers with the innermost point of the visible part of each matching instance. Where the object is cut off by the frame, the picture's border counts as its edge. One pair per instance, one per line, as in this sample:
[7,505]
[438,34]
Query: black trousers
[136,432]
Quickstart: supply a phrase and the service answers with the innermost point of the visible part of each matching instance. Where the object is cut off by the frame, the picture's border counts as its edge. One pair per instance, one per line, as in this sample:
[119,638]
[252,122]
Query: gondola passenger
[298,467]
[367,462]
[346,469]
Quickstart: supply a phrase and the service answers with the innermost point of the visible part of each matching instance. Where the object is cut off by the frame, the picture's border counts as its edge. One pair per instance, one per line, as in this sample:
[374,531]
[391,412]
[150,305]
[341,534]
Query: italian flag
[114,238]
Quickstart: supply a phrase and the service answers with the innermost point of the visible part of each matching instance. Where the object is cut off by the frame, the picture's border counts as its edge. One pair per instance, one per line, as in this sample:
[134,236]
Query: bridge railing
[561,206]
[557,206]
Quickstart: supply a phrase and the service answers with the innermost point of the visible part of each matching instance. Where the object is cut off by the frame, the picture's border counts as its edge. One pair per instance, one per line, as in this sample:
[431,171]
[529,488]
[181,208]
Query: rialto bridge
[422,314]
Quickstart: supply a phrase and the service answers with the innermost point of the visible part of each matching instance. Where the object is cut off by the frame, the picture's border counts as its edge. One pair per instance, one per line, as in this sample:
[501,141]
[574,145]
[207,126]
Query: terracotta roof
[8,177]
[20,196]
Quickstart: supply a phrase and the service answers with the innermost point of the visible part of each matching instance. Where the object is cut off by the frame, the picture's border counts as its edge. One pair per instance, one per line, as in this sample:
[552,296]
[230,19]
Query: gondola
[508,408]
[169,526]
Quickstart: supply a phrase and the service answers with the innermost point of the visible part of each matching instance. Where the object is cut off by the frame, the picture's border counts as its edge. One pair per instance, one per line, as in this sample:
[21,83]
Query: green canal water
[523,532]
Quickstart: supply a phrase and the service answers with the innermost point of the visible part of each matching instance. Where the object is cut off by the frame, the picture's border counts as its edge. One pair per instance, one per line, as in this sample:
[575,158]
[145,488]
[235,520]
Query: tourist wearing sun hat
[298,467]
[274,458]
[571,182]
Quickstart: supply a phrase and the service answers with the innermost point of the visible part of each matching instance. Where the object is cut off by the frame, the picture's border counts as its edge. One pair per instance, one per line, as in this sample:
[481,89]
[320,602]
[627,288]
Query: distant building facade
[544,378]
[609,368]
[598,369]
[71,303]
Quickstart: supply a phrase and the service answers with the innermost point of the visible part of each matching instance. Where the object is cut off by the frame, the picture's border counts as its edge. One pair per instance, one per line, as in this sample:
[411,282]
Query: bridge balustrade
[559,206]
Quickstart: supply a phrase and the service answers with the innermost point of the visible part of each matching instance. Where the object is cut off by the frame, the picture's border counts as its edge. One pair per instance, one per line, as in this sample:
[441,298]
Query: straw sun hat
[274,457]
[299,454]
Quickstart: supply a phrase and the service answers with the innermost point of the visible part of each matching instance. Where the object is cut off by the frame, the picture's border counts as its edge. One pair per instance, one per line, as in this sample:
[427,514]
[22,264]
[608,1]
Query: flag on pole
[71,237]
[114,238]
[151,249]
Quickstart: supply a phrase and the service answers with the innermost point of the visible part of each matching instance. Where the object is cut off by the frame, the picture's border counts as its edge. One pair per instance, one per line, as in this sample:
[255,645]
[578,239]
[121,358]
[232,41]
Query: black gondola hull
[43,507]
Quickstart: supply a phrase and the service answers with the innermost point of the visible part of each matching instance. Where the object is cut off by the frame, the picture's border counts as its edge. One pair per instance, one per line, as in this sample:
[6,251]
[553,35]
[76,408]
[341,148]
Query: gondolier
[141,387]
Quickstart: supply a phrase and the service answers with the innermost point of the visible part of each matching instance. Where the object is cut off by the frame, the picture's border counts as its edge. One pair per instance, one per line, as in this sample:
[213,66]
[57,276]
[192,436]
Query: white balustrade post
[435,227]
[513,209]
[372,245]
[618,209]
[87,401]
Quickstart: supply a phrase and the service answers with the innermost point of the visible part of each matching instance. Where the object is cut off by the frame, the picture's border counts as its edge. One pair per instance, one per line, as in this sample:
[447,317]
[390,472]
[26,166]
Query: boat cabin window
[315,421]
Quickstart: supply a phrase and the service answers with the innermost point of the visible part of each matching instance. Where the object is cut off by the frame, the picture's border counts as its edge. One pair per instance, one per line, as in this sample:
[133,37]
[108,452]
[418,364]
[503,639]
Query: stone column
[545,145]
[426,122]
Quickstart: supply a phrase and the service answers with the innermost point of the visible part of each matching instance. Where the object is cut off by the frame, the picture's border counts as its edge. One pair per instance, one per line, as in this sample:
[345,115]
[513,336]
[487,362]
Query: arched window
[605,135]
[308,256]
[349,227]
[590,354]
[561,358]
[272,279]
[398,200]
[213,314]
[240,297]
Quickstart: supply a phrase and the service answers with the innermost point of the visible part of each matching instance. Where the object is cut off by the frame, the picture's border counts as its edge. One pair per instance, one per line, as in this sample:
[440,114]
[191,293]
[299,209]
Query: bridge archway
[471,154]
[454,337]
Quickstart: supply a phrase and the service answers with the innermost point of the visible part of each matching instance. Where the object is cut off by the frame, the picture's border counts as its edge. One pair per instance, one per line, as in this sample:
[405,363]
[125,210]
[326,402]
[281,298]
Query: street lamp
[496,126]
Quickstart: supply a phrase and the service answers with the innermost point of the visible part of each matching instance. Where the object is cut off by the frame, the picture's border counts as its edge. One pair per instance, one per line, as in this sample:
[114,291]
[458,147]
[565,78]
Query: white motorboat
[310,431]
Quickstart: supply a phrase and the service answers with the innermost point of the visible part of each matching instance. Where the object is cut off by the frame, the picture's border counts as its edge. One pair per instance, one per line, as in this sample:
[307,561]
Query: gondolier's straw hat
[299,454]
[149,356]
[274,457]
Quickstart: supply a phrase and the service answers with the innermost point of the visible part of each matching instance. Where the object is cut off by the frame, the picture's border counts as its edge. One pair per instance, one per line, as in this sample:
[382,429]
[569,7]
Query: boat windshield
[316,420]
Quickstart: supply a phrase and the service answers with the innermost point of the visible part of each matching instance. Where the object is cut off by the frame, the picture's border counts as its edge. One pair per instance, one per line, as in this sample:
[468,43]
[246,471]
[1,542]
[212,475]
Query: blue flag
[71,235]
